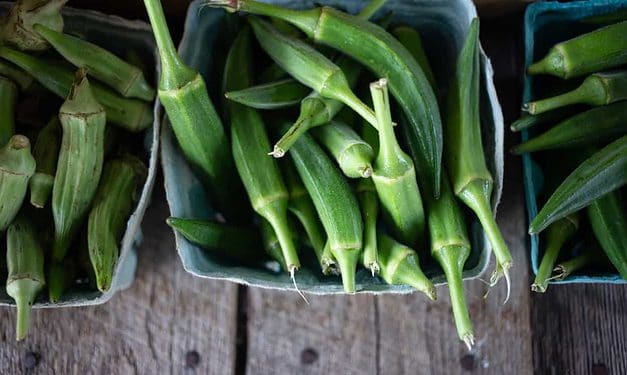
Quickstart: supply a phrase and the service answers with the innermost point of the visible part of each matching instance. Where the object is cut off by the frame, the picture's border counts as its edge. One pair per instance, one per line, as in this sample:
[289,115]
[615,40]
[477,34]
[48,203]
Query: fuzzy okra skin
[259,172]
[274,95]
[470,178]
[18,28]
[598,50]
[335,203]
[131,114]
[590,127]
[601,173]
[113,203]
[17,165]
[126,79]
[608,220]
[80,162]
[46,153]
[8,98]
[556,236]
[353,154]
[597,89]
[25,263]
[372,46]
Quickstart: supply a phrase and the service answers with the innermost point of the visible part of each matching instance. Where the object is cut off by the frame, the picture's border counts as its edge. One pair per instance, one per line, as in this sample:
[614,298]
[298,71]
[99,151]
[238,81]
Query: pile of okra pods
[65,200]
[360,197]
[584,155]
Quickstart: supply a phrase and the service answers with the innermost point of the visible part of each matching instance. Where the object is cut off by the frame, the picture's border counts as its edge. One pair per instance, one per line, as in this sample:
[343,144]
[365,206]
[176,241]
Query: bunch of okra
[65,201]
[584,155]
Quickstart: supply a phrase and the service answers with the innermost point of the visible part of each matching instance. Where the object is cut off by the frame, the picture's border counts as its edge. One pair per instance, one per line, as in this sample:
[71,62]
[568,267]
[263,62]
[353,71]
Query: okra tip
[539,287]
[277,152]
[502,270]
[229,5]
[292,270]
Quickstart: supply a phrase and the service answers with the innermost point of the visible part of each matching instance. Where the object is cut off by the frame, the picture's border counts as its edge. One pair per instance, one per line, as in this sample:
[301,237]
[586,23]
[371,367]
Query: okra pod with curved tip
[589,127]
[598,50]
[601,173]
[238,243]
[556,235]
[17,165]
[131,114]
[21,78]
[309,67]
[8,97]
[353,155]
[335,204]
[597,89]
[46,153]
[609,223]
[394,176]
[273,95]
[411,40]
[271,244]
[527,120]
[80,161]
[369,205]
[471,180]
[25,263]
[259,173]
[399,265]
[18,28]
[112,205]
[126,79]
[564,269]
[372,46]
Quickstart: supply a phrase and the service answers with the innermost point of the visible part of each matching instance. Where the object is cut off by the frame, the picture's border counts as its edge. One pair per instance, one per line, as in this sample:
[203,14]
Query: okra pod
[372,46]
[17,165]
[238,243]
[601,173]
[80,162]
[274,95]
[369,205]
[18,28]
[526,121]
[592,126]
[25,263]
[309,67]
[126,79]
[271,244]
[46,153]
[394,176]
[353,155]
[259,173]
[131,114]
[8,97]
[564,269]
[410,39]
[21,78]
[399,265]
[471,180]
[556,236]
[335,204]
[609,223]
[598,50]
[597,89]
[112,205]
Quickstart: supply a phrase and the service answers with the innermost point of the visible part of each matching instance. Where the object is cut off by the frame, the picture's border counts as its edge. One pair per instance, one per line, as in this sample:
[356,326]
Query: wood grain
[168,322]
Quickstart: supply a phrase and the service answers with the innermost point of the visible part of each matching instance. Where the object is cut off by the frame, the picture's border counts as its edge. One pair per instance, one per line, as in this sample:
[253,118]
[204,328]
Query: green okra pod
[601,173]
[271,244]
[353,154]
[21,78]
[590,127]
[131,114]
[556,115]
[597,89]
[372,46]
[17,165]
[274,95]
[399,265]
[394,176]
[46,153]
[259,173]
[126,79]
[598,50]
[18,28]
[556,236]
[410,39]
[8,97]
[113,203]
[80,162]
[470,178]
[369,205]
[25,263]
[564,269]
[608,220]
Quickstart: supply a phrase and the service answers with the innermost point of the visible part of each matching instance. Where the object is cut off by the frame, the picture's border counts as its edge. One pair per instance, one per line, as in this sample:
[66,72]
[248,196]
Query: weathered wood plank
[167,322]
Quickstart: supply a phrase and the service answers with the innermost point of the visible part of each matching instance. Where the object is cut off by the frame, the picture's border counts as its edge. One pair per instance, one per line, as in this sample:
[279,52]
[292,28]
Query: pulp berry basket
[443,26]
[548,23]
[119,36]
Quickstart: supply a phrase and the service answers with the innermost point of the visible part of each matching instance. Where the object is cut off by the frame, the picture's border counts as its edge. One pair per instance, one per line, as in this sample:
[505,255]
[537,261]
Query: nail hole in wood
[599,369]
[192,359]
[308,356]
[468,362]
[31,360]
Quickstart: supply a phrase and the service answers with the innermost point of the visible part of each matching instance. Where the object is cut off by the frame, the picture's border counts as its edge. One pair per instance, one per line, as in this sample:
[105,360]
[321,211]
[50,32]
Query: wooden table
[171,322]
